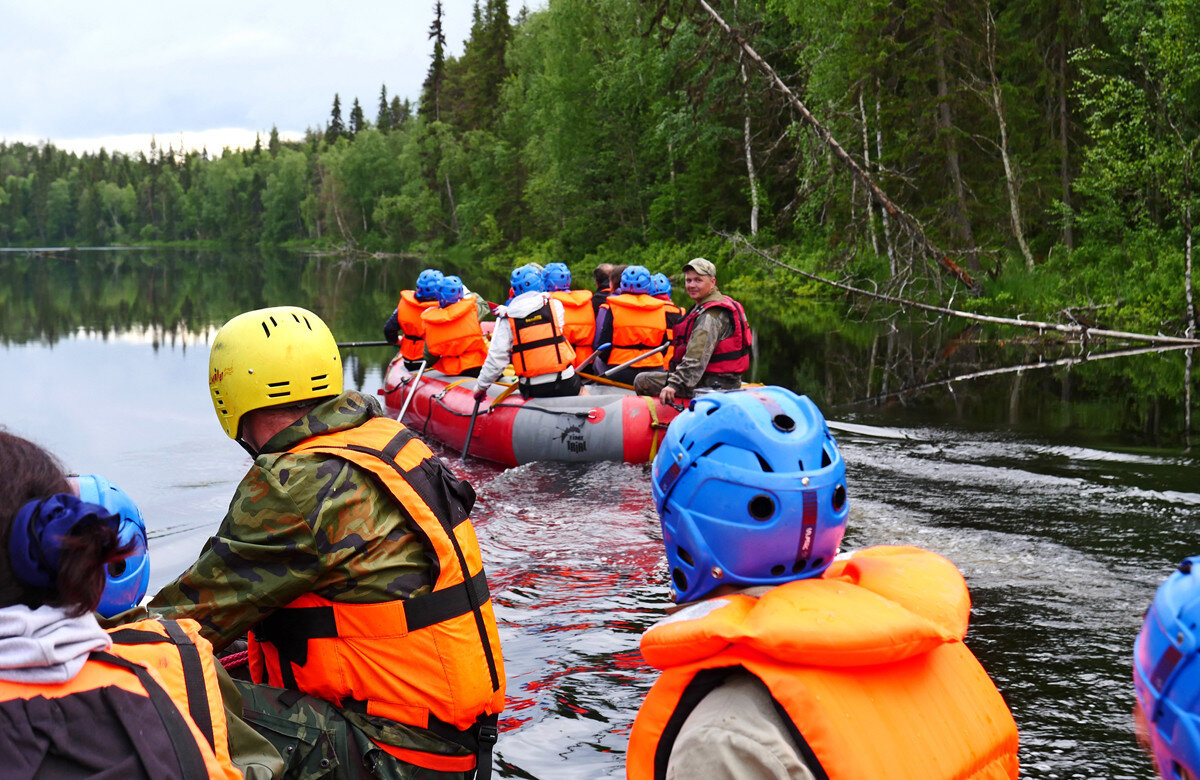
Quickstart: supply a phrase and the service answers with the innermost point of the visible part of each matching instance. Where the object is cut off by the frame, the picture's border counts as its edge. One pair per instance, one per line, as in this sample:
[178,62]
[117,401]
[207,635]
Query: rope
[236,660]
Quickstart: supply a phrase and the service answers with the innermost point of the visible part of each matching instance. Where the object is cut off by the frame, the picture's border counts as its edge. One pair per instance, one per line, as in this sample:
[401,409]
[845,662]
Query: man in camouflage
[713,324]
[304,523]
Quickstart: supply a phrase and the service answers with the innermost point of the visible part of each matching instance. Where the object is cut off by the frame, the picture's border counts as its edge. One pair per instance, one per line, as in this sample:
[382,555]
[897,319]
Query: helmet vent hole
[685,556]
[266,330]
[784,423]
[710,449]
[763,463]
[800,464]
[309,324]
[710,410]
[761,507]
[825,459]
[116,568]
[839,498]
[680,580]
[273,322]
[777,570]
[284,383]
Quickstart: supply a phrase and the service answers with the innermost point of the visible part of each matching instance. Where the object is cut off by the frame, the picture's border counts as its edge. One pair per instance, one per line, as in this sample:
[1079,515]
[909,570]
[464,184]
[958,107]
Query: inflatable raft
[609,424]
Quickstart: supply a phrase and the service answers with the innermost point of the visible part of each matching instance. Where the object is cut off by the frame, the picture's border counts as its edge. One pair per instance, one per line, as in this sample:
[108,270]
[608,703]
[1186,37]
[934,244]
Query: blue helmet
[450,290]
[751,490]
[1166,673]
[128,579]
[557,277]
[635,279]
[660,285]
[525,279]
[428,283]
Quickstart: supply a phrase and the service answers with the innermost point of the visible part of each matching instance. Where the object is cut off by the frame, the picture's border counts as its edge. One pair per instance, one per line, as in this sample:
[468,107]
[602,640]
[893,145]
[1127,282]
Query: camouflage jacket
[712,325]
[297,524]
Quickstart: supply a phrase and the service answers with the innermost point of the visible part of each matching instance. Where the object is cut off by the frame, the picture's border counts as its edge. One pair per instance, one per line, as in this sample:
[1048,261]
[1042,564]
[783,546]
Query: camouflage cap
[701,266]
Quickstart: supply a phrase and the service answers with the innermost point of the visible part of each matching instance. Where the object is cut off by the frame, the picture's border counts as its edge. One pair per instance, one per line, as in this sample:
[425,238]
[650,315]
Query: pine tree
[383,119]
[431,90]
[273,141]
[357,120]
[399,112]
[337,128]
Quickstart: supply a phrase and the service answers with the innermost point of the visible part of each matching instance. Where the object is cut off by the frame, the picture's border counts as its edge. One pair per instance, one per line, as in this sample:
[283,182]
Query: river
[1063,509]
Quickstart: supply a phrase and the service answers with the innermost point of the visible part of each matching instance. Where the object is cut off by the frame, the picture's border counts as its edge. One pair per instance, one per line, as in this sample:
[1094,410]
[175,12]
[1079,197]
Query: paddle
[352,344]
[411,392]
[636,358]
[593,356]
[470,431]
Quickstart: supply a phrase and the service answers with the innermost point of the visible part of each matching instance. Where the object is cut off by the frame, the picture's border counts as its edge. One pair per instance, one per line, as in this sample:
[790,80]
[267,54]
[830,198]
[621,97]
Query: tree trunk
[883,214]
[750,172]
[1190,330]
[1063,130]
[862,112]
[953,170]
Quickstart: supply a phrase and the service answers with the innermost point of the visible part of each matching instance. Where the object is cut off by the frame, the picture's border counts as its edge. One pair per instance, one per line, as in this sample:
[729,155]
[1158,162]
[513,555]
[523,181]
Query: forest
[1044,149]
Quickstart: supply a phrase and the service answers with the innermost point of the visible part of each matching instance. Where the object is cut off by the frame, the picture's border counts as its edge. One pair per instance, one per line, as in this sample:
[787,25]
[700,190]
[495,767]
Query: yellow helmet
[271,357]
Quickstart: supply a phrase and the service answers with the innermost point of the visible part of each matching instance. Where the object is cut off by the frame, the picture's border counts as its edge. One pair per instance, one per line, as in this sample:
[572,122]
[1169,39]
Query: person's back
[453,334]
[785,662]
[579,316]
[635,323]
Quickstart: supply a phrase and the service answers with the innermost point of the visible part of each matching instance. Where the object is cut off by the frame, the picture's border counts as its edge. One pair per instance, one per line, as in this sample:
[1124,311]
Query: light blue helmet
[127,579]
[660,284]
[635,279]
[450,290]
[428,283]
[1166,673]
[525,279]
[751,490]
[557,277]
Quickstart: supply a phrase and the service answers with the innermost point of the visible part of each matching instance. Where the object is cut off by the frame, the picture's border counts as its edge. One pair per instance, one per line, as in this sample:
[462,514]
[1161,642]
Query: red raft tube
[609,424]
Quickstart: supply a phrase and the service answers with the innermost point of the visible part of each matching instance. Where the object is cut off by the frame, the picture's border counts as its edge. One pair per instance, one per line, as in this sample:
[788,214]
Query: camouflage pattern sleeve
[712,325]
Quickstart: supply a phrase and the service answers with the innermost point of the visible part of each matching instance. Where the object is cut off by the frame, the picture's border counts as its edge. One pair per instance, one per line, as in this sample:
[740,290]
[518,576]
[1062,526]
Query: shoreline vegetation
[1044,150]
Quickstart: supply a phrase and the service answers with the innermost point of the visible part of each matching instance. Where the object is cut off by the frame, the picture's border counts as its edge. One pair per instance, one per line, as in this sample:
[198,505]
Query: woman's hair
[29,473]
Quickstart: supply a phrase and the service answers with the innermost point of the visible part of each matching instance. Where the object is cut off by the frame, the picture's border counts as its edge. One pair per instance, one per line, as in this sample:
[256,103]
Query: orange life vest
[431,661]
[412,327]
[639,323]
[453,334]
[172,665]
[537,345]
[867,662]
[579,321]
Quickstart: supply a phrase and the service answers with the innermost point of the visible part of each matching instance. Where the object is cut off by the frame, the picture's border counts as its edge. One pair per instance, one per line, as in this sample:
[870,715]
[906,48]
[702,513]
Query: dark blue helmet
[427,284]
[450,291]
[1166,673]
[635,279]
[126,580]
[557,277]
[660,285]
[525,279]
[751,490]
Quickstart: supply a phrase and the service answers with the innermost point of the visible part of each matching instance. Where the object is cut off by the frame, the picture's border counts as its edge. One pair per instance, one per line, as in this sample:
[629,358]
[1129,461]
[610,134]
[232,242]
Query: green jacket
[300,524]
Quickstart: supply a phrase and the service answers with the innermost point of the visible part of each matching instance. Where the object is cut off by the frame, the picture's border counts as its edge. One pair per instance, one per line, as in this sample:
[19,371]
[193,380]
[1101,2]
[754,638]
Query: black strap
[191,762]
[525,346]
[189,658]
[488,733]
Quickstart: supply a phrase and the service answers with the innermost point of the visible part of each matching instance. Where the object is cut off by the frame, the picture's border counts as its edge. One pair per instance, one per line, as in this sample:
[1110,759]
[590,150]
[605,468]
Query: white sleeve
[499,353]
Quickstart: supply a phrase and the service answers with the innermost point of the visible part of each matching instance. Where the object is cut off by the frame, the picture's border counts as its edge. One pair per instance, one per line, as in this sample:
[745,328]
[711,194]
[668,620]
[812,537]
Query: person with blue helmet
[1166,675]
[404,327]
[634,323]
[454,341]
[787,659]
[126,580]
[556,277]
[529,332]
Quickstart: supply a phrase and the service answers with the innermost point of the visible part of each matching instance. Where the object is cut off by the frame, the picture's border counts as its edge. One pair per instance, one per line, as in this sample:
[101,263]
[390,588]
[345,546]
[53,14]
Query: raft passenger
[1166,676]
[602,277]
[454,342]
[348,554]
[579,318]
[710,346]
[786,660]
[405,328]
[634,322]
[140,701]
[529,332]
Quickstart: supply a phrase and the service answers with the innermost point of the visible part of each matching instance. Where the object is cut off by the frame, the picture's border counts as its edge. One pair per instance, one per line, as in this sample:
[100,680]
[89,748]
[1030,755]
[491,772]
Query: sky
[89,73]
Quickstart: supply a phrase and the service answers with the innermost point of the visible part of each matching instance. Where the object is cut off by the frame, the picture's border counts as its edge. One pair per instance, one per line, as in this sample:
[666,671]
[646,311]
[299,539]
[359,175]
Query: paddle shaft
[411,392]
[352,344]
[470,430]
[592,357]
[636,358]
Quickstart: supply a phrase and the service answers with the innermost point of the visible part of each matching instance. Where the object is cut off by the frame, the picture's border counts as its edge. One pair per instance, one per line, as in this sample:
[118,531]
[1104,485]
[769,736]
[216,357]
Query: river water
[1062,528]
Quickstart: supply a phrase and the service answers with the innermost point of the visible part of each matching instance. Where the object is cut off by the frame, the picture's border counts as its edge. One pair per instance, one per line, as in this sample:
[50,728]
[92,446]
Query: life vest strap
[546,342]
[193,668]
[187,752]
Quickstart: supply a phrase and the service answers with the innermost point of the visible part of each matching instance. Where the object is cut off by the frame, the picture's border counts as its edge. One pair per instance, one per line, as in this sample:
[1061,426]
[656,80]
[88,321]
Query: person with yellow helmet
[361,652]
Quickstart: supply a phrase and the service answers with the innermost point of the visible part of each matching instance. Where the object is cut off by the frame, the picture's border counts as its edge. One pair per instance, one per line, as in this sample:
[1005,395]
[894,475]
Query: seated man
[785,659]
[710,346]
[633,322]
[454,343]
[405,327]
[529,331]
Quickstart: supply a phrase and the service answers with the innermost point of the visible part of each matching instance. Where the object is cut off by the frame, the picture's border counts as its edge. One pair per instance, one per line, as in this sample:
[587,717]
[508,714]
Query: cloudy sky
[86,73]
